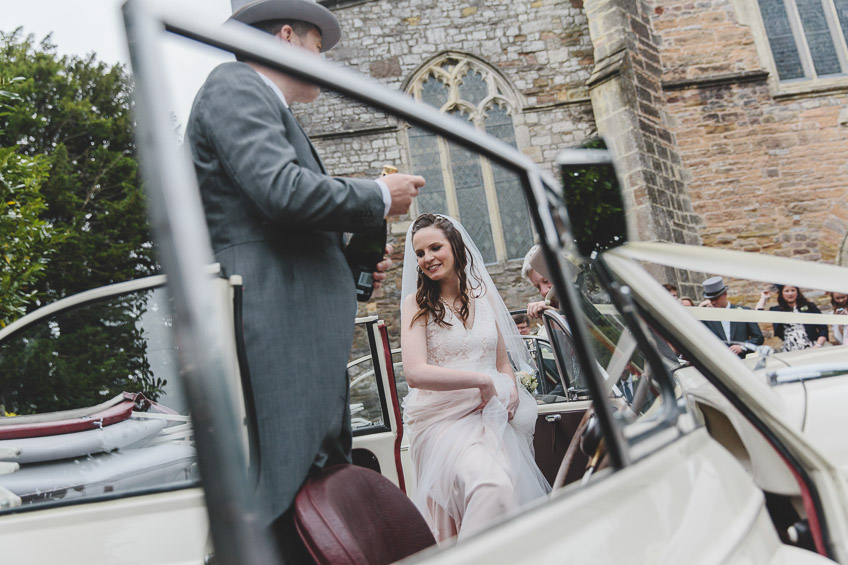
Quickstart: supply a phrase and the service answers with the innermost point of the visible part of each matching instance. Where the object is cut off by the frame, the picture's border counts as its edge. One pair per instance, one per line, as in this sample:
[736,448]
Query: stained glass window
[842,15]
[515,218]
[818,37]
[471,196]
[434,92]
[424,148]
[485,197]
[781,40]
[804,37]
[473,88]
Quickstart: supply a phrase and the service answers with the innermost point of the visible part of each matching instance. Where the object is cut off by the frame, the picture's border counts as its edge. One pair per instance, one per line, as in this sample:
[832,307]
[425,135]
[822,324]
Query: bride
[470,426]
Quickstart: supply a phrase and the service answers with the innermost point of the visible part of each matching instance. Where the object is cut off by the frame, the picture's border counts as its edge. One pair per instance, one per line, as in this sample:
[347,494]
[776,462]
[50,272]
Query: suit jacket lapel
[715,327]
[298,138]
[305,139]
[737,328]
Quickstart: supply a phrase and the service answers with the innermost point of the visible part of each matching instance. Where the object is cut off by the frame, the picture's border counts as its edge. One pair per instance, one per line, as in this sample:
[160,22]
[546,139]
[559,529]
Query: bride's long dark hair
[429,293]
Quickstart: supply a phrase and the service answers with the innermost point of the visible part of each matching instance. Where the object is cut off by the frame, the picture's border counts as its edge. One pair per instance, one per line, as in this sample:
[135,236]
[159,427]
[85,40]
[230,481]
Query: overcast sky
[81,27]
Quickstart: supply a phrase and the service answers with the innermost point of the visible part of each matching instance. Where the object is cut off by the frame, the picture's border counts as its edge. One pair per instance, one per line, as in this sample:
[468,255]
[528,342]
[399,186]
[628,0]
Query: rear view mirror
[593,198]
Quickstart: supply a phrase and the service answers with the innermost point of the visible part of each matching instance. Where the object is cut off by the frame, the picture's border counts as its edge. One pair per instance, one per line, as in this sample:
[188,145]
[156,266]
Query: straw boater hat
[253,11]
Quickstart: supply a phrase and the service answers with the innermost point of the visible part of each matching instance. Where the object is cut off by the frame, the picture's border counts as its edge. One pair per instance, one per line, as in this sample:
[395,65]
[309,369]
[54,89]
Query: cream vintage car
[657,480]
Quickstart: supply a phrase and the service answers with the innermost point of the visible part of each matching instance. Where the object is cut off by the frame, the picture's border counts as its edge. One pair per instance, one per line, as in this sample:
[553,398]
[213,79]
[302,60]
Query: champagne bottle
[364,250]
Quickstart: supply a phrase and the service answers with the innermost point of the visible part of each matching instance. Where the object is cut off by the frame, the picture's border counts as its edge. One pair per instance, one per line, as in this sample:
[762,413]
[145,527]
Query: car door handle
[551,418]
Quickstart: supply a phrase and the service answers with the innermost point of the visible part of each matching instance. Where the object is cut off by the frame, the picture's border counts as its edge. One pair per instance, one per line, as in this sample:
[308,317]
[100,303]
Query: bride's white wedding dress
[473,466]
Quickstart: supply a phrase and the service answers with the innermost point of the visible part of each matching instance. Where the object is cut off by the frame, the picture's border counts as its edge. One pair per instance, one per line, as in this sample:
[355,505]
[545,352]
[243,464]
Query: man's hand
[737,349]
[535,309]
[403,188]
[382,267]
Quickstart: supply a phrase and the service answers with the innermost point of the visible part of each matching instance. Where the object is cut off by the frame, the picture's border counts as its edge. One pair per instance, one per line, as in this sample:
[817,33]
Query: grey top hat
[253,11]
[713,287]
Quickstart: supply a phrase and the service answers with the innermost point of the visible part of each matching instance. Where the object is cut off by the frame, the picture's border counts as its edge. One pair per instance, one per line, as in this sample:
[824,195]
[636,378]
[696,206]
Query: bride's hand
[513,402]
[487,391]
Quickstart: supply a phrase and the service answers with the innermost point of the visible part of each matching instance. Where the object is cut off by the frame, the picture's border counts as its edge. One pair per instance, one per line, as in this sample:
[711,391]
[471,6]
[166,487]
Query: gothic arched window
[486,198]
[807,37]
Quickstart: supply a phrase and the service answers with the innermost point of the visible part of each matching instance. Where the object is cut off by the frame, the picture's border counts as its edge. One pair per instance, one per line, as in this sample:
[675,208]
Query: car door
[560,412]
[374,403]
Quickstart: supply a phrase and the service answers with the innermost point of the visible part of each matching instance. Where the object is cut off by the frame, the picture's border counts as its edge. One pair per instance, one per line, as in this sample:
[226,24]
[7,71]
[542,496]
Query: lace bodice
[455,346]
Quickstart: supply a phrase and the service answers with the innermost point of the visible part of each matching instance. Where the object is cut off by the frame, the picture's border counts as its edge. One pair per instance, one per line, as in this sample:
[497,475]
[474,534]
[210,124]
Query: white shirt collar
[274,87]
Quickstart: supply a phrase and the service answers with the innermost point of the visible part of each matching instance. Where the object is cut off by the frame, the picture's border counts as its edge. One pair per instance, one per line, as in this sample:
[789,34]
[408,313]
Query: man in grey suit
[276,218]
[743,332]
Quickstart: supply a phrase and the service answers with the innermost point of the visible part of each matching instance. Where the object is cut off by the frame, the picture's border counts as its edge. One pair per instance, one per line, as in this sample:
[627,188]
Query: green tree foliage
[76,114]
[595,204]
[27,239]
[79,357]
[70,128]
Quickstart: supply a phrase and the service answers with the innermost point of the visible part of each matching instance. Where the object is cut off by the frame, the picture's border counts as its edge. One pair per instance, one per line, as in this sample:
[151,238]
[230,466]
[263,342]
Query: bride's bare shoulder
[409,301]
[409,308]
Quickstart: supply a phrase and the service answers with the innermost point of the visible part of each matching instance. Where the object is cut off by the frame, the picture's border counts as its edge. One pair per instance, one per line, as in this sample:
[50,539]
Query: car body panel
[737,435]
[383,444]
[814,408]
[820,402]
[758,398]
[556,424]
[688,503]
[827,417]
[165,527]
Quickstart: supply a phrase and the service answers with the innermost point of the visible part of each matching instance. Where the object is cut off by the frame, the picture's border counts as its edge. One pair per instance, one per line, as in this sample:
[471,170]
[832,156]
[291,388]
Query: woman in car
[470,425]
[797,336]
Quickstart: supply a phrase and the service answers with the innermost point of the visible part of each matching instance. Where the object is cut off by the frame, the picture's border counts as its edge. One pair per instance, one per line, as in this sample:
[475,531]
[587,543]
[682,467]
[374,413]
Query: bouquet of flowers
[527,380]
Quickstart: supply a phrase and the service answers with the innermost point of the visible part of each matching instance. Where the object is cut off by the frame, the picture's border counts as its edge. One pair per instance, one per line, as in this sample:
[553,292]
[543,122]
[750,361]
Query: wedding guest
[533,271]
[797,336]
[764,297]
[672,290]
[686,301]
[839,303]
[715,292]
[470,427]
[522,323]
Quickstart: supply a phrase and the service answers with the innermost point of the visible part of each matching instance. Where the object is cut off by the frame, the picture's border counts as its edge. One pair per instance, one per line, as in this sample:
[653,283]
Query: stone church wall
[711,152]
[766,173]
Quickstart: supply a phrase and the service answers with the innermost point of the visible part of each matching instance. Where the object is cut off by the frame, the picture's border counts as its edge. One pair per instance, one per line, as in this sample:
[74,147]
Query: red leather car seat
[352,515]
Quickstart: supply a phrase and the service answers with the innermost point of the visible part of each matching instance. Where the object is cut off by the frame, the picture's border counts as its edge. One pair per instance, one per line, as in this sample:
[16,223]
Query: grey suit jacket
[739,331]
[276,219]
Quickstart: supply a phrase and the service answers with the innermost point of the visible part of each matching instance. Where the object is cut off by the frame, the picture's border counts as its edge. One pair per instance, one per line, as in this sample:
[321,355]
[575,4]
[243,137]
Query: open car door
[374,405]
